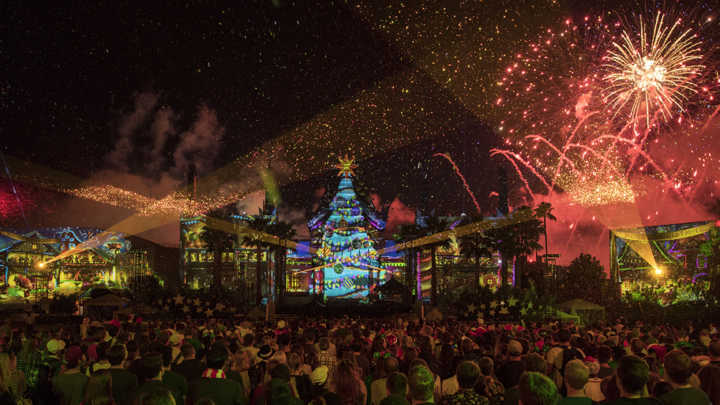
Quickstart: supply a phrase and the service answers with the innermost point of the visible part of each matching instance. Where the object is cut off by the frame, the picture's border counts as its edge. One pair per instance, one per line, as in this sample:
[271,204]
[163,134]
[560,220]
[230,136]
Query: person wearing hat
[53,360]
[69,386]
[509,372]
[320,392]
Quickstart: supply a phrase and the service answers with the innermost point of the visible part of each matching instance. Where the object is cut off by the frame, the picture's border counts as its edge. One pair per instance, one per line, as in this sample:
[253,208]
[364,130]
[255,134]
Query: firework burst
[560,102]
[652,72]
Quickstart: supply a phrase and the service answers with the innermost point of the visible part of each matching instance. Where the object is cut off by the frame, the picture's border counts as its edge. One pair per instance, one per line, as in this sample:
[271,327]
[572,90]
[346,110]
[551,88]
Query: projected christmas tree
[347,248]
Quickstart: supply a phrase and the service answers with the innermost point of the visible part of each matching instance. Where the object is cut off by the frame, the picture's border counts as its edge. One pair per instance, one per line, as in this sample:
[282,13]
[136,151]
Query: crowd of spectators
[351,361]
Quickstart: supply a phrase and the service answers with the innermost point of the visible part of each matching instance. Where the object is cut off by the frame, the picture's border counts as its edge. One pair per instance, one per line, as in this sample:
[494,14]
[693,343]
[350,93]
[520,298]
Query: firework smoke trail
[597,154]
[641,152]
[459,174]
[565,147]
[539,138]
[12,186]
[512,157]
[707,123]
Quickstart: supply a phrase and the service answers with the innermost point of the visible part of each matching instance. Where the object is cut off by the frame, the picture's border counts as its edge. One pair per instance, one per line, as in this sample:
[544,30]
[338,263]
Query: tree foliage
[583,278]
[520,238]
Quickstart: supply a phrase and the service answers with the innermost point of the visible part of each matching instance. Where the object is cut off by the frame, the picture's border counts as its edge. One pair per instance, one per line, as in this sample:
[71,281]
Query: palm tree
[217,241]
[544,211]
[284,231]
[474,247]
[520,238]
[258,223]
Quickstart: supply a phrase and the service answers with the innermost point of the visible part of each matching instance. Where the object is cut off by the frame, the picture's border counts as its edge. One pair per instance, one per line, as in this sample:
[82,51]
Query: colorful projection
[347,248]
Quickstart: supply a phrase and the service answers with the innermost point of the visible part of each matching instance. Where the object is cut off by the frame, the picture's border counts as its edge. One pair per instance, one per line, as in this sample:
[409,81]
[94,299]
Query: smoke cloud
[399,214]
[144,105]
[199,145]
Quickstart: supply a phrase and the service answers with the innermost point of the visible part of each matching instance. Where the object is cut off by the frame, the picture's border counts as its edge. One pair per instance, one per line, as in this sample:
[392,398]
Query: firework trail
[460,175]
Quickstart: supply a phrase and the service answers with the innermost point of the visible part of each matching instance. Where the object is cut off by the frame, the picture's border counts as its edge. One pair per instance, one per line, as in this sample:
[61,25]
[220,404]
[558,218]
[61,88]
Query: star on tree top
[346,166]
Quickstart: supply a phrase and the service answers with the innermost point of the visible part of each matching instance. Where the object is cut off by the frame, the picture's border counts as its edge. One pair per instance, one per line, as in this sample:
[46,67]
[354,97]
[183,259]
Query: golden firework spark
[652,76]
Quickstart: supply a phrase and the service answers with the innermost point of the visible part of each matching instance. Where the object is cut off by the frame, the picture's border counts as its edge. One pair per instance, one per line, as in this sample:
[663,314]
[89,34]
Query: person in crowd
[710,382]
[191,367]
[377,387]
[29,356]
[593,388]
[421,384]
[605,354]
[151,369]
[53,358]
[535,362]
[280,391]
[214,384]
[714,351]
[633,374]
[489,385]
[661,388]
[468,374]
[299,380]
[321,395]
[575,378]
[561,354]
[396,386]
[389,344]
[98,390]
[679,369]
[69,385]
[325,355]
[175,381]
[124,383]
[537,389]
[12,380]
[347,383]
[162,397]
[509,372]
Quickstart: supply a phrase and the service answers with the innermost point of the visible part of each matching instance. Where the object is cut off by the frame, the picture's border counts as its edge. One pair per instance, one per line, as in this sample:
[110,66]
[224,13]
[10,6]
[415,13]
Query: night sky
[86,88]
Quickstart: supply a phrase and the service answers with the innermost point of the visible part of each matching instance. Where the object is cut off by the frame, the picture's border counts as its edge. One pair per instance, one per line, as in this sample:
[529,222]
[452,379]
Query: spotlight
[41,265]
[658,271]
